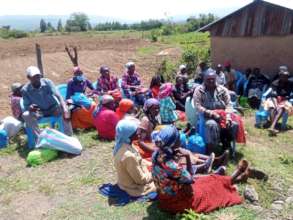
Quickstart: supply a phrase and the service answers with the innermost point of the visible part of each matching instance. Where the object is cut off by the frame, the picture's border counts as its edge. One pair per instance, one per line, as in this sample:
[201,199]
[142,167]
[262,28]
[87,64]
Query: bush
[168,70]
[193,55]
[167,29]
[154,35]
[6,34]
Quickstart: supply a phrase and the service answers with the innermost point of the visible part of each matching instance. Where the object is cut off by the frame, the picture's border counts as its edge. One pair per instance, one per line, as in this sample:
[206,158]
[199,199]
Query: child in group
[155,86]
[15,99]
[167,106]
[144,143]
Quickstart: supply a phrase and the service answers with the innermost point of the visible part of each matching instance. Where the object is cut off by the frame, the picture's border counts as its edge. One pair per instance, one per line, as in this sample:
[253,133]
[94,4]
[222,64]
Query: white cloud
[126,9]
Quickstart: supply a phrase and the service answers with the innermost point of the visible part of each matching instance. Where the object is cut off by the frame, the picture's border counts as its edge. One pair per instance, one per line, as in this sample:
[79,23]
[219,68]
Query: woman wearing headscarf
[133,175]
[177,186]
[108,84]
[105,119]
[126,107]
[167,106]
[78,83]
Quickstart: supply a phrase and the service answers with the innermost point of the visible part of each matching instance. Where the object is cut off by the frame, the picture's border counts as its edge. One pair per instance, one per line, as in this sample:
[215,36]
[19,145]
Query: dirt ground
[93,51]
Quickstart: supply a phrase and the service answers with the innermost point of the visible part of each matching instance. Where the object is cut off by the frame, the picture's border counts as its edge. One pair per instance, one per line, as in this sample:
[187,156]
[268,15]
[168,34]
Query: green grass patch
[146,51]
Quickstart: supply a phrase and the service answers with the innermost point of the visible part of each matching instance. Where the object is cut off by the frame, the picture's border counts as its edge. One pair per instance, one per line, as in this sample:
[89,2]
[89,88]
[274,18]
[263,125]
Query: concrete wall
[267,53]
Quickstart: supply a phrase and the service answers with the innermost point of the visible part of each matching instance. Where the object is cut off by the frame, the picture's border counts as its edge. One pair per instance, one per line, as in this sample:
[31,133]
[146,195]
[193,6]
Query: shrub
[193,55]
[168,70]
[154,35]
[167,29]
[6,34]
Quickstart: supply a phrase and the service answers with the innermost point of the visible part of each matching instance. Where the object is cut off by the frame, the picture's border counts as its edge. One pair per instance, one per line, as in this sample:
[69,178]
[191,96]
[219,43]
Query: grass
[77,179]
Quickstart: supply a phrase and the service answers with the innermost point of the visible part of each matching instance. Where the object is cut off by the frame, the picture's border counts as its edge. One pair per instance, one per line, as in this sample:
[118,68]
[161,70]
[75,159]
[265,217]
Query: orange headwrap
[124,106]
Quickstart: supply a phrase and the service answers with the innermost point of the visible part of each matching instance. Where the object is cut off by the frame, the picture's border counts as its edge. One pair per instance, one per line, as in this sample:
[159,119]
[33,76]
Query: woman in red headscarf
[126,106]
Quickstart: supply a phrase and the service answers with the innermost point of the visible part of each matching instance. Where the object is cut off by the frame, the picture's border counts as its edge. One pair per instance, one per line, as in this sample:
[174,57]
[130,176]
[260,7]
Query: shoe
[221,171]
[273,132]
[243,165]
[257,174]
[209,163]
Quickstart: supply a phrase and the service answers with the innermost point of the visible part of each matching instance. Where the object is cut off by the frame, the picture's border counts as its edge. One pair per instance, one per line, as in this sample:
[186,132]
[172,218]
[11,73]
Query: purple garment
[129,80]
[74,86]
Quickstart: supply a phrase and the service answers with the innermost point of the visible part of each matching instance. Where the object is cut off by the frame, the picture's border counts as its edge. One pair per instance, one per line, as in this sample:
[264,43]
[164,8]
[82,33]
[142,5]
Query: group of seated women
[149,155]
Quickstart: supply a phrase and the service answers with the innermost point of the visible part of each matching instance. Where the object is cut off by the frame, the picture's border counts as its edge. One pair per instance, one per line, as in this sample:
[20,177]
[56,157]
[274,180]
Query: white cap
[31,71]
[129,64]
[182,66]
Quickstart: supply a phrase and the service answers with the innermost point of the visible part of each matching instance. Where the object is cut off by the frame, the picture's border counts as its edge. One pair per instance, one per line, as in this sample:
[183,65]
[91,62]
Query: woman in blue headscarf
[132,171]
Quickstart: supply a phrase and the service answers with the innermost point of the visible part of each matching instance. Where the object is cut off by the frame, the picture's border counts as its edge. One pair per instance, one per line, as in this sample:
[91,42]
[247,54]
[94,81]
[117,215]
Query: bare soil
[96,50]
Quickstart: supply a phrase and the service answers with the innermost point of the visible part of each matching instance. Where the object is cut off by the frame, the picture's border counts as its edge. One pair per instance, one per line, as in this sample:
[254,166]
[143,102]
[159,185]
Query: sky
[126,9]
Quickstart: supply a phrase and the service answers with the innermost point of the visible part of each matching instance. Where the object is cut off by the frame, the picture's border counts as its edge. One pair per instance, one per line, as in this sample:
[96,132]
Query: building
[258,35]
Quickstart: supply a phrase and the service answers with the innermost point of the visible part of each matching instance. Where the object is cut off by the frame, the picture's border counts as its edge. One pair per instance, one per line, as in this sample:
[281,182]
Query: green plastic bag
[41,156]
[243,102]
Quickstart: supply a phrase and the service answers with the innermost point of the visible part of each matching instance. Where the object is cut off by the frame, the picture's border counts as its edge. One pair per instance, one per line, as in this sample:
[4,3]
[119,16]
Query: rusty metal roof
[259,18]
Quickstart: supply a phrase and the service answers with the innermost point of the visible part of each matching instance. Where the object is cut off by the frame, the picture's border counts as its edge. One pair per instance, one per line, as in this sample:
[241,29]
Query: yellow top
[132,173]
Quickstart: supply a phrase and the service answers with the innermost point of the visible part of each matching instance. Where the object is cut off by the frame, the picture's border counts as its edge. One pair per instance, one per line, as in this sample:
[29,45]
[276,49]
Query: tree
[77,22]
[43,26]
[59,26]
[50,27]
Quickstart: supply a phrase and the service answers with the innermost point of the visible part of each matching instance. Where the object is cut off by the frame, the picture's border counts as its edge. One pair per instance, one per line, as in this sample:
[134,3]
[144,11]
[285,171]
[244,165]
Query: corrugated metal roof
[258,18]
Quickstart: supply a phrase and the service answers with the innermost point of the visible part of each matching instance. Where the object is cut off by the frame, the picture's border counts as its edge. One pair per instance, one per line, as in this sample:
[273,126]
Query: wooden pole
[39,58]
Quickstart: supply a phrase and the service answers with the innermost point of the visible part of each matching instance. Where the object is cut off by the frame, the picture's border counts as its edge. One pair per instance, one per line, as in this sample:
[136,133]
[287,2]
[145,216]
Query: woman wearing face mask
[78,83]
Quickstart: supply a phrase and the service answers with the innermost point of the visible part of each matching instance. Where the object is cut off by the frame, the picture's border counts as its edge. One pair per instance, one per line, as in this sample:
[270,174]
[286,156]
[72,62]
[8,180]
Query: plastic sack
[3,139]
[81,100]
[191,112]
[41,156]
[53,139]
[183,140]
[196,144]
[11,125]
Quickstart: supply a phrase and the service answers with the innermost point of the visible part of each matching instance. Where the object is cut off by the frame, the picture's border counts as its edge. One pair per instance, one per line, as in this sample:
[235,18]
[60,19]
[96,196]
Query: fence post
[39,59]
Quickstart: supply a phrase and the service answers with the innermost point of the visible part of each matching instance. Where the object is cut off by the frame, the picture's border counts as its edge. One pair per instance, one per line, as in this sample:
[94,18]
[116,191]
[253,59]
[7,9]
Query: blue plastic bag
[196,144]
[81,100]
[183,140]
[3,139]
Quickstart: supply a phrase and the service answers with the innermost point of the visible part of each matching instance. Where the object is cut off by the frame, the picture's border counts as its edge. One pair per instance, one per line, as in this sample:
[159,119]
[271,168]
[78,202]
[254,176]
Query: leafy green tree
[50,27]
[77,22]
[43,26]
[59,26]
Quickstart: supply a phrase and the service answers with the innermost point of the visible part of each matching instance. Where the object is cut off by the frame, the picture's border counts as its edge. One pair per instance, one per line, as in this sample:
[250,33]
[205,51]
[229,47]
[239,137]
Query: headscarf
[15,87]
[149,103]
[124,106]
[166,139]
[105,100]
[129,64]
[165,90]
[124,130]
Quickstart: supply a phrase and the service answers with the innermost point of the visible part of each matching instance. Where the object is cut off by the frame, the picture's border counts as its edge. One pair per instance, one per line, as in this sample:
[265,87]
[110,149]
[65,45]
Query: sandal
[243,165]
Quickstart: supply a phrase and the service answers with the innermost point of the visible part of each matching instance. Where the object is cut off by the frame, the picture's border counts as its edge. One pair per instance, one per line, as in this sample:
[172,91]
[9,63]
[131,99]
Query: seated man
[277,102]
[221,78]
[108,84]
[213,101]
[78,83]
[131,84]
[230,75]
[257,84]
[105,119]
[41,99]
[180,93]
[182,70]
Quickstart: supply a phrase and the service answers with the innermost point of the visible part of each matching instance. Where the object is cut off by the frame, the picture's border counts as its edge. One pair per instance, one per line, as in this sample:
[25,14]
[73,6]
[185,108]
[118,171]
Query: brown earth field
[93,51]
